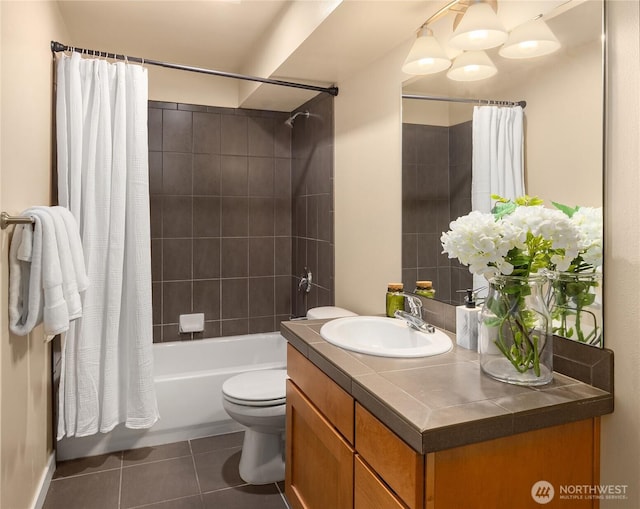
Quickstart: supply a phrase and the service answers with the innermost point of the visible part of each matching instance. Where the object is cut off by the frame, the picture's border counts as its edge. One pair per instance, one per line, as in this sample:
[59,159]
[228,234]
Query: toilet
[326,312]
[257,400]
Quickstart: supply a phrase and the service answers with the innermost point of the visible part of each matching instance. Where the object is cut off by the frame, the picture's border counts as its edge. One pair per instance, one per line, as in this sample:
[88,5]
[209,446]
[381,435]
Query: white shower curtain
[497,161]
[101,128]
[497,166]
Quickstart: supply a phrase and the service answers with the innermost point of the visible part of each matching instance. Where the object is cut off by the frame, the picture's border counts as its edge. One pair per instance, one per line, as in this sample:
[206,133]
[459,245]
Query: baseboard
[45,481]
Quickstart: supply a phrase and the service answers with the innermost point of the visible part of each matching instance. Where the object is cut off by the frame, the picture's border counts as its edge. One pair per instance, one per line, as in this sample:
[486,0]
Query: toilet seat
[261,388]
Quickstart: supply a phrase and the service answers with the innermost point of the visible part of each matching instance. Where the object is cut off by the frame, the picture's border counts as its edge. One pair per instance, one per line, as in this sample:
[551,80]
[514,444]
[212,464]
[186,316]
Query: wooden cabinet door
[370,492]
[504,472]
[319,462]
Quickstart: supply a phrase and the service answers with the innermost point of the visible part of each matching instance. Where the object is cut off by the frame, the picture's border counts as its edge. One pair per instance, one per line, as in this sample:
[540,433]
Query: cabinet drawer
[370,492]
[327,396]
[319,463]
[396,463]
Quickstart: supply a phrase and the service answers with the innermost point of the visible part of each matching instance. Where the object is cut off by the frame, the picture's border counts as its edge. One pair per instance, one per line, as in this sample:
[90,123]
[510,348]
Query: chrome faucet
[414,317]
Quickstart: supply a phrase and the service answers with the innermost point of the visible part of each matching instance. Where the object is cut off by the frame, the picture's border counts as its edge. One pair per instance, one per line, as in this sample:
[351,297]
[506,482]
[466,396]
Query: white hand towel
[55,312]
[69,285]
[75,245]
[25,279]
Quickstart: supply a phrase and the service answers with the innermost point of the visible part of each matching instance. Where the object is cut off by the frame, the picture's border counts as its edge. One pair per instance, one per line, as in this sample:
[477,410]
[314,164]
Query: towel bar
[6,220]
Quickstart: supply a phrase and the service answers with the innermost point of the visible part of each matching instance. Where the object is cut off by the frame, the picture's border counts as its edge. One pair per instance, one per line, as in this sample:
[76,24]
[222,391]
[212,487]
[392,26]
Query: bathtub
[188,380]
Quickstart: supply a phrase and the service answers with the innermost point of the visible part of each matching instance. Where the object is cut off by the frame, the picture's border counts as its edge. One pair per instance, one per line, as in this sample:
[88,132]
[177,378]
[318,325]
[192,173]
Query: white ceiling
[228,34]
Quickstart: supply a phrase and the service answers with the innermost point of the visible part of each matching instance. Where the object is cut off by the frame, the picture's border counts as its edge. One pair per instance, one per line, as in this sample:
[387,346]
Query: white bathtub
[188,378]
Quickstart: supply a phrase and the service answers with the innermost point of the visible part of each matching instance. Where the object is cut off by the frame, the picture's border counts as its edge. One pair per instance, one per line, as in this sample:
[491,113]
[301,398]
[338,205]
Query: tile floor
[195,474]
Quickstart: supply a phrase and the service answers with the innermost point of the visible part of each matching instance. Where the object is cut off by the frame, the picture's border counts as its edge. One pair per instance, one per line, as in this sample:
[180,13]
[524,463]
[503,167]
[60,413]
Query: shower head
[289,121]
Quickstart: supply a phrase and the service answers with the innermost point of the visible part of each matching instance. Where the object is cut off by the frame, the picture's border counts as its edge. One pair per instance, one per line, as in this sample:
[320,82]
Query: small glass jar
[425,289]
[395,299]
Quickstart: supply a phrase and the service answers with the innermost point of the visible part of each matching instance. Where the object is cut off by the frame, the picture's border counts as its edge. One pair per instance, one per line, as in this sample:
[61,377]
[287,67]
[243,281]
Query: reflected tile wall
[220,184]
[436,188]
[312,203]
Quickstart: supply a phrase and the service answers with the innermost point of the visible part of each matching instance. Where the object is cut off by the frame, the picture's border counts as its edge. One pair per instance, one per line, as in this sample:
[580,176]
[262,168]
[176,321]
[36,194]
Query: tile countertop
[440,402]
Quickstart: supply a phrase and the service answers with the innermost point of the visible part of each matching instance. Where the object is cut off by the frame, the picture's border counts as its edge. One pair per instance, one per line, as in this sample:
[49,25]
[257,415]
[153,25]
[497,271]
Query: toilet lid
[265,387]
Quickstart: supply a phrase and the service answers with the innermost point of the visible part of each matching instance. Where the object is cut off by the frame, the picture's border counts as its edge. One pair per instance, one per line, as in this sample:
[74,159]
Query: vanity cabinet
[340,456]
[319,438]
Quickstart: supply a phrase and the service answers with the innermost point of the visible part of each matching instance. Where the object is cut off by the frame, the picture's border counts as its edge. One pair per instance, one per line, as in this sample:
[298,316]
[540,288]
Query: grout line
[120,482]
[195,469]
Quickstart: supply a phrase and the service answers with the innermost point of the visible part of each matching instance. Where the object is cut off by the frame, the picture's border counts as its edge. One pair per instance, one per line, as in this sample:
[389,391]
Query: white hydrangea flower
[588,220]
[480,242]
[551,225]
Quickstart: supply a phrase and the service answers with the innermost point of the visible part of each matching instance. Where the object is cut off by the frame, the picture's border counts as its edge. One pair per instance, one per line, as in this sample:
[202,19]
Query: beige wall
[25,167]
[367,185]
[620,435]
[367,195]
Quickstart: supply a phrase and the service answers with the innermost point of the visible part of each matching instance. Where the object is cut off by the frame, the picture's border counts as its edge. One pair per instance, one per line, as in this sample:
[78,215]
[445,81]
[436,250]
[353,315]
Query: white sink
[384,337]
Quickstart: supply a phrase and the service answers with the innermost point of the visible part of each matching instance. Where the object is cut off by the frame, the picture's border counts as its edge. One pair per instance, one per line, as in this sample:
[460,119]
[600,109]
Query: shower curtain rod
[488,102]
[57,47]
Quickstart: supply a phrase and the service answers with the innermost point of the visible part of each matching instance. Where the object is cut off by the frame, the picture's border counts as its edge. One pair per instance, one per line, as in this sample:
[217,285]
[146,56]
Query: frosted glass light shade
[479,29]
[426,55]
[531,39]
[472,66]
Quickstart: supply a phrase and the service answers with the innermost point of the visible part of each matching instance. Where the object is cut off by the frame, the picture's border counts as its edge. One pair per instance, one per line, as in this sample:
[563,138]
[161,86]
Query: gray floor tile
[218,469]
[215,443]
[194,502]
[245,497]
[90,491]
[158,452]
[159,481]
[88,465]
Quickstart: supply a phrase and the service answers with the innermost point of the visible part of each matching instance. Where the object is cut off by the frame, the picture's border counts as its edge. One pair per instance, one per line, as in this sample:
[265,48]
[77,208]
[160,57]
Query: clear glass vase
[576,309]
[515,339]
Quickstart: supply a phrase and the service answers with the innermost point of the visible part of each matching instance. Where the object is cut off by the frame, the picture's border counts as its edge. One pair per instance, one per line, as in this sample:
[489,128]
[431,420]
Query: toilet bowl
[257,400]
[325,312]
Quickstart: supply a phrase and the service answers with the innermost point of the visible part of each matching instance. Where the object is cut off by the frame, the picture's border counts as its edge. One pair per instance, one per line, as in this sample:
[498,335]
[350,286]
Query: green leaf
[570,211]
[501,209]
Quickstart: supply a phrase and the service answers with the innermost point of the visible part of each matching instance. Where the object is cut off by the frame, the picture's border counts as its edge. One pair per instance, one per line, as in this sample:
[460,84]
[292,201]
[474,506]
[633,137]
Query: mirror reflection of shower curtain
[497,161]
[101,131]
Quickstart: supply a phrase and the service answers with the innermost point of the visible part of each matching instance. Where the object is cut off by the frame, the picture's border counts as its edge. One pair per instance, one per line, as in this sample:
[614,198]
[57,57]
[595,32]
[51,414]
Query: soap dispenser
[467,322]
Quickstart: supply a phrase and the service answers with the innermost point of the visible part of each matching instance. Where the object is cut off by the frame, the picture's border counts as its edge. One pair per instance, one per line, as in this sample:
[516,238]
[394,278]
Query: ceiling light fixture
[472,66]
[479,29]
[532,39]
[426,55]
[476,28]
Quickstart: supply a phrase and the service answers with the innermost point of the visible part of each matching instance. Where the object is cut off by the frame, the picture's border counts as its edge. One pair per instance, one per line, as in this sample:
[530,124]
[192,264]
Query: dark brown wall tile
[206,216]
[261,216]
[206,258]
[177,213]
[282,256]
[206,174]
[261,176]
[206,133]
[261,256]
[234,257]
[176,259]
[206,299]
[235,327]
[177,173]
[233,135]
[155,172]
[155,129]
[261,296]
[235,293]
[234,171]
[262,324]
[261,139]
[235,217]
[176,300]
[177,131]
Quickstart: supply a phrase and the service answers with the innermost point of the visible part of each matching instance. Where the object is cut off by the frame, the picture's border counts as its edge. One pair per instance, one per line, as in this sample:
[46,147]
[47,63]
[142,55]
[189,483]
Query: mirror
[563,131]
